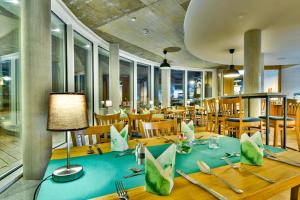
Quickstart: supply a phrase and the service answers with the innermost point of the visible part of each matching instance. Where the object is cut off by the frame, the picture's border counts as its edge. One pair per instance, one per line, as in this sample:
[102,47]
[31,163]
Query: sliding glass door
[103,76]
[177,87]
[126,82]
[157,86]
[195,89]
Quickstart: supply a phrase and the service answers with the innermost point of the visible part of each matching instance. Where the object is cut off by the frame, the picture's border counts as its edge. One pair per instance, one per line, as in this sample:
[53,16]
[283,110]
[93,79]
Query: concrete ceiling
[162,19]
[214,26]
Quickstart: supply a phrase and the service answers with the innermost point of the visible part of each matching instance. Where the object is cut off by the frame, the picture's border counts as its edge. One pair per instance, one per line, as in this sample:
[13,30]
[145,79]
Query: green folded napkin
[123,113]
[119,140]
[188,130]
[159,173]
[252,149]
[145,111]
[158,115]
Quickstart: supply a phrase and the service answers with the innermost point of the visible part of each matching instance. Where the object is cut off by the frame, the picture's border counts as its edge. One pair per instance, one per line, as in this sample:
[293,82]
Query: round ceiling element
[172,49]
[165,64]
[212,27]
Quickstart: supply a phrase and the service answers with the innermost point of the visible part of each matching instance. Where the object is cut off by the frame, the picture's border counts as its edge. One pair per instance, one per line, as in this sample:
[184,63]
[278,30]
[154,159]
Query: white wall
[271,80]
[290,80]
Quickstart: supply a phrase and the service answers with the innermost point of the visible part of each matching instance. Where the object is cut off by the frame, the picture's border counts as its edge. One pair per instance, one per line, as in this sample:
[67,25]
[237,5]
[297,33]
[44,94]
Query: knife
[134,174]
[283,161]
[98,149]
[195,182]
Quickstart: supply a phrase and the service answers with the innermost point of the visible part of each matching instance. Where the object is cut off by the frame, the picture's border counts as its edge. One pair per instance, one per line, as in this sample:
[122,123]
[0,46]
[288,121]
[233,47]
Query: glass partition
[177,87]
[195,91]
[126,82]
[208,84]
[10,122]
[143,85]
[157,86]
[58,50]
[103,75]
[83,68]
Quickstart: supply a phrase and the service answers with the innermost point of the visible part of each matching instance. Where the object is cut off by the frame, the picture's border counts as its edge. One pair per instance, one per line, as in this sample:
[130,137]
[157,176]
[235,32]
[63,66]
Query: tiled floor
[24,189]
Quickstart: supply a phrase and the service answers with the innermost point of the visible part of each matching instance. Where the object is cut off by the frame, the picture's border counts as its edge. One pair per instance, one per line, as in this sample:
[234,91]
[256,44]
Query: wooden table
[288,177]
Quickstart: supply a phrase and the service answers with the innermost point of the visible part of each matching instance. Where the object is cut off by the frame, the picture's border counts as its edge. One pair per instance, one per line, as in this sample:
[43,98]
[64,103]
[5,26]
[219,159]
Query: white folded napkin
[188,130]
[119,140]
[252,149]
[159,173]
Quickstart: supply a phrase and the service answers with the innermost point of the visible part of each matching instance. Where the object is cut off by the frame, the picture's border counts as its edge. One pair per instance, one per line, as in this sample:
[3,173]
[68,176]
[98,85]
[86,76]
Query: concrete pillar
[35,85]
[114,76]
[166,87]
[253,67]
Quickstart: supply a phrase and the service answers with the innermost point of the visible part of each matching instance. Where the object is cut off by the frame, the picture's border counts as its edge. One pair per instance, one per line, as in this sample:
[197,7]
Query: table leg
[267,120]
[284,121]
[295,193]
[249,107]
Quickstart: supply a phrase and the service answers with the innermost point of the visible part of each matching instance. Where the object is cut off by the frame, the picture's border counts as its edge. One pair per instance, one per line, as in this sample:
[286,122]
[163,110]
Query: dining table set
[204,173]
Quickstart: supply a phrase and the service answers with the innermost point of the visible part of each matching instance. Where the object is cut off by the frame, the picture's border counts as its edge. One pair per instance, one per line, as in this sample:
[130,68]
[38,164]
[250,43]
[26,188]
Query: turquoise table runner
[101,171]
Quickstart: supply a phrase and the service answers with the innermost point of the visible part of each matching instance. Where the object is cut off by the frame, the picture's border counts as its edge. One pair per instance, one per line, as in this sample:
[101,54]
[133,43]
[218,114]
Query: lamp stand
[68,172]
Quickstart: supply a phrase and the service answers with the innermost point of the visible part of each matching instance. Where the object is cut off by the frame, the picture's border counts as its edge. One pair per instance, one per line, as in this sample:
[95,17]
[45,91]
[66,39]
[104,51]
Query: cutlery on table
[270,153]
[234,154]
[125,153]
[122,193]
[206,169]
[136,170]
[195,182]
[235,166]
[134,174]
[90,150]
[200,143]
[166,140]
[283,161]
[98,149]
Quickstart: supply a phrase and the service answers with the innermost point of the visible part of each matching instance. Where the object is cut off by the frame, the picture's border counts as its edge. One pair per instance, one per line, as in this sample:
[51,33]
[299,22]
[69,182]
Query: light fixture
[165,64]
[108,103]
[231,72]
[12,1]
[133,19]
[6,78]
[67,112]
[192,82]
[56,30]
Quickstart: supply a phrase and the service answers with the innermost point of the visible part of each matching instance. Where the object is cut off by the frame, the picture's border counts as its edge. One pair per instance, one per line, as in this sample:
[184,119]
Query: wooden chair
[190,114]
[214,116]
[133,123]
[291,122]
[155,129]
[100,132]
[233,120]
[107,119]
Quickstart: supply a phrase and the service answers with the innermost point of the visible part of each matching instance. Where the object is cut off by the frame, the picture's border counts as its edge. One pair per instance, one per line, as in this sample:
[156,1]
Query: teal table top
[101,171]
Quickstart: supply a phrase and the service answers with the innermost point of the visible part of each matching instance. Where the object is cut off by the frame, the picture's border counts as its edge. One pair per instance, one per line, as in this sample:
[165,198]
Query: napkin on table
[188,130]
[119,140]
[252,149]
[159,173]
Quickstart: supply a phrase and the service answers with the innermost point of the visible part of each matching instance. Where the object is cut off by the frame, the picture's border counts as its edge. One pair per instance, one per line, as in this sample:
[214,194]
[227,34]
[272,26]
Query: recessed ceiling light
[133,19]
[146,31]
[12,1]
[57,30]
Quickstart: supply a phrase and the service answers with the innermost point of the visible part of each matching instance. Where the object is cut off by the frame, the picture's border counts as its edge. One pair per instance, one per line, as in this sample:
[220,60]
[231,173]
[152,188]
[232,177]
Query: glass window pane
[10,144]
[143,85]
[103,75]
[58,49]
[83,68]
[208,84]
[177,87]
[157,86]
[126,82]
[194,92]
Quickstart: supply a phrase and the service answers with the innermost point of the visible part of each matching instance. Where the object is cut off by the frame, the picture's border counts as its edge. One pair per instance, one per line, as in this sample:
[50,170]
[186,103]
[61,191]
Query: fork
[122,193]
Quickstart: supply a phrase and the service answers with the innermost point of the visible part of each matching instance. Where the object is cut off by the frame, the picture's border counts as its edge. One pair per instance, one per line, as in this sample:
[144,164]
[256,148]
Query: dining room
[149,99]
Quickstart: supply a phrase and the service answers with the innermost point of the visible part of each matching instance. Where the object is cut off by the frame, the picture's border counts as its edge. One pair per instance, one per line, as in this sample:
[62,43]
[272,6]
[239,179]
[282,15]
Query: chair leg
[276,130]
[298,137]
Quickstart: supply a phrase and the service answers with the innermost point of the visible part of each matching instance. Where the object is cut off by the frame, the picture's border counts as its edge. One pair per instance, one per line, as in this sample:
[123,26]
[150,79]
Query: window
[10,143]
[103,76]
[195,92]
[126,82]
[83,69]
[177,87]
[208,84]
[58,49]
[157,86]
[143,85]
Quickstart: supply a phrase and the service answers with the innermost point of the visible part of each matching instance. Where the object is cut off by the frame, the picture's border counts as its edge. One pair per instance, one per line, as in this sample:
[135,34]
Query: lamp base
[64,174]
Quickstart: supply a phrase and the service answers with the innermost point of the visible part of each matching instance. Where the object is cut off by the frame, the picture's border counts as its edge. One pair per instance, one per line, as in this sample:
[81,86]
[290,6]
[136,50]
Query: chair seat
[246,119]
[277,118]
[219,114]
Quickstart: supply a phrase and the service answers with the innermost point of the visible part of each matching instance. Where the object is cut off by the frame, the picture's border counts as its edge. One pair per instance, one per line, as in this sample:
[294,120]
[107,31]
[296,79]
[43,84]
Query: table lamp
[67,112]
[108,103]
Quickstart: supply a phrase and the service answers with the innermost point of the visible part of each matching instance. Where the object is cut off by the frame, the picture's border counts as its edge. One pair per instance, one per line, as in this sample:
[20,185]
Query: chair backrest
[191,111]
[231,107]
[107,119]
[292,107]
[133,121]
[99,132]
[162,128]
[180,107]
[211,105]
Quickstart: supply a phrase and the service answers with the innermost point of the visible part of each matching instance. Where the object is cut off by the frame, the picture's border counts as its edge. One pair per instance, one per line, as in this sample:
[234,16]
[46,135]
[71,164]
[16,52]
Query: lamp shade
[108,103]
[67,112]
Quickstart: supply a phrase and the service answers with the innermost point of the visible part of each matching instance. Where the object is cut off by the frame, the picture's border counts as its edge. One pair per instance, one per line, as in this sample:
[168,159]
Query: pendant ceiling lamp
[165,64]
[231,72]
